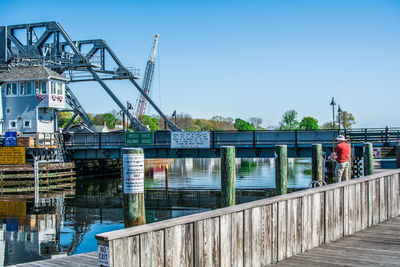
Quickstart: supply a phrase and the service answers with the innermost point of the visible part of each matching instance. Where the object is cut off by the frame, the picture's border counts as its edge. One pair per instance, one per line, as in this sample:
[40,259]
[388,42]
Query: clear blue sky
[243,58]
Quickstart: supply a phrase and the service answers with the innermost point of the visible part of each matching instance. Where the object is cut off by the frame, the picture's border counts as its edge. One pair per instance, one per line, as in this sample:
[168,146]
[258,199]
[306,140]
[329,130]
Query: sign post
[133,185]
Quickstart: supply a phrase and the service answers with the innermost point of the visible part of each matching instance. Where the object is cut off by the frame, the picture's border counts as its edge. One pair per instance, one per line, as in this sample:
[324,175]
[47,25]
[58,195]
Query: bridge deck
[375,246]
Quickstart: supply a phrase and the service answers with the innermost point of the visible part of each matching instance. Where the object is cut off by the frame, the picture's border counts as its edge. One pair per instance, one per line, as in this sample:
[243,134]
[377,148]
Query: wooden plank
[322,218]
[237,239]
[226,240]
[173,246]
[357,206]
[346,210]
[351,209]
[266,224]
[274,234]
[383,186]
[329,217]
[299,222]
[211,242]
[306,223]
[315,219]
[338,213]
[256,237]
[247,242]
[364,205]
[371,200]
[282,224]
[291,227]
[133,251]
[376,202]
[199,243]
[152,249]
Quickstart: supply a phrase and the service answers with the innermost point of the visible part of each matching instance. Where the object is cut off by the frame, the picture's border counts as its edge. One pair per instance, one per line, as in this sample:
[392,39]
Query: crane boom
[147,79]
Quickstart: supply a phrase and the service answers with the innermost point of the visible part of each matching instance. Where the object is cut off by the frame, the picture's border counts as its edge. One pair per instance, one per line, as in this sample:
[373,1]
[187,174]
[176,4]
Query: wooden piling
[368,159]
[316,162]
[281,167]
[133,185]
[228,176]
[166,176]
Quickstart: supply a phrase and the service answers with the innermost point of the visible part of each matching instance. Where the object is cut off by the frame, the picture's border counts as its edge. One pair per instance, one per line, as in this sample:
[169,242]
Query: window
[43,87]
[22,89]
[59,87]
[27,124]
[8,110]
[13,124]
[28,88]
[11,89]
[53,88]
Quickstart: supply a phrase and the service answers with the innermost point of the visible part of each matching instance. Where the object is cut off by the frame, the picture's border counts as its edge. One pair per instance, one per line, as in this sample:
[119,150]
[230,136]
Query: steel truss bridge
[48,44]
[249,144]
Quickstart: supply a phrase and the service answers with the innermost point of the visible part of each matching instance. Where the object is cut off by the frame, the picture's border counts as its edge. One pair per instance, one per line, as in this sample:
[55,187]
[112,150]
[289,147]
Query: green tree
[110,120]
[63,118]
[346,119]
[289,121]
[242,125]
[309,123]
[150,121]
[329,125]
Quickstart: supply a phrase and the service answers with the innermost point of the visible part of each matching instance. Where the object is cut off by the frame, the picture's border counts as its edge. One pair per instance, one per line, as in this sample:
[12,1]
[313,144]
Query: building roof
[30,73]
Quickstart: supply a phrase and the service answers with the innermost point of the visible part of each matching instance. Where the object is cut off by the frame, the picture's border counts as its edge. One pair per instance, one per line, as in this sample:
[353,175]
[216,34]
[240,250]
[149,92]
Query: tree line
[217,123]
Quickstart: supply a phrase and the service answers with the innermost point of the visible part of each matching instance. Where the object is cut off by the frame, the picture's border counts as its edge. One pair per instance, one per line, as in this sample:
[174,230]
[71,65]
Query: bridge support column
[133,185]
[316,163]
[281,169]
[228,176]
[368,159]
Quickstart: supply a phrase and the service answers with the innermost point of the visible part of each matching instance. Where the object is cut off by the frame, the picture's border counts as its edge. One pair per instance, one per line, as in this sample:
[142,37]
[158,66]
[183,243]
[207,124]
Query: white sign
[190,139]
[103,256]
[376,152]
[133,173]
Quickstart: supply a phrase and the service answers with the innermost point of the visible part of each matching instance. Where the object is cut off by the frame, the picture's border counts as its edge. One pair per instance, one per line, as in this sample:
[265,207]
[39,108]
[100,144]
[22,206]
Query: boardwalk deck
[375,246]
[80,260]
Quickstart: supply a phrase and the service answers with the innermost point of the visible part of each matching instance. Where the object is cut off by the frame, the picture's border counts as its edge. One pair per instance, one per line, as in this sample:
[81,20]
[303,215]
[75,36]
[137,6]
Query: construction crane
[147,78]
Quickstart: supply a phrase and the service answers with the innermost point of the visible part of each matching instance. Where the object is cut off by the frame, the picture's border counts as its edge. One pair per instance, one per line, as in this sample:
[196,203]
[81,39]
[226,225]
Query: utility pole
[333,103]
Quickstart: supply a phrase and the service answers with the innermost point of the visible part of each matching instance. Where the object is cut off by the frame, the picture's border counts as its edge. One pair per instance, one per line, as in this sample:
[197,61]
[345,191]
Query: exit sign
[139,139]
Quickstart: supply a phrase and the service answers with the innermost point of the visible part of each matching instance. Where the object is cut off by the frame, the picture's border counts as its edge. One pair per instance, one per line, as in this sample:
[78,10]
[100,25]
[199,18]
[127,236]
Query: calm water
[69,224]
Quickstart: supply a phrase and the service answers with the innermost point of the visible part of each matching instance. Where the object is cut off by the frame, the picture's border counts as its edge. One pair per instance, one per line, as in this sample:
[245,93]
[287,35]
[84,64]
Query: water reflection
[68,220]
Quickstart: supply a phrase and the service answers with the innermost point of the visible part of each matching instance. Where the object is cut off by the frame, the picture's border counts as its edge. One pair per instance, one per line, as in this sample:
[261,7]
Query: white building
[30,98]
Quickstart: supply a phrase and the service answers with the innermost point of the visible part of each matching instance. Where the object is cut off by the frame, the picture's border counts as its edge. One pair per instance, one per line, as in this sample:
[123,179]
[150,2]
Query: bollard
[368,159]
[166,176]
[398,156]
[281,167]
[133,185]
[316,163]
[228,176]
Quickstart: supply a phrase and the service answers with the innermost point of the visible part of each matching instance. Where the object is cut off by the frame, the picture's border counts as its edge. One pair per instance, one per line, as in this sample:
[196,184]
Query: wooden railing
[260,232]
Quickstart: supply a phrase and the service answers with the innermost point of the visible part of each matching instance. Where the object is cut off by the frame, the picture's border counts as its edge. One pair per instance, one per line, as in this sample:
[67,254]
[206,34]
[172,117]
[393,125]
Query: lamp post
[333,103]
[339,111]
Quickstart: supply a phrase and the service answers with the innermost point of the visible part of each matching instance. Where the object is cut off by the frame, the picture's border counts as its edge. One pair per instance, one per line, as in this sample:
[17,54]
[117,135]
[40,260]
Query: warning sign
[190,139]
[103,256]
[12,155]
[133,173]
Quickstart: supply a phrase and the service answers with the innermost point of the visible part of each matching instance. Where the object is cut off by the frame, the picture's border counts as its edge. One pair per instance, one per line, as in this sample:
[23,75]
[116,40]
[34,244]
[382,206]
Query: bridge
[249,144]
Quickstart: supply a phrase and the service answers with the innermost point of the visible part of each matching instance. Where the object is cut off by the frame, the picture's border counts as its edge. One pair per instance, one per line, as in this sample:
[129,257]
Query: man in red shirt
[341,155]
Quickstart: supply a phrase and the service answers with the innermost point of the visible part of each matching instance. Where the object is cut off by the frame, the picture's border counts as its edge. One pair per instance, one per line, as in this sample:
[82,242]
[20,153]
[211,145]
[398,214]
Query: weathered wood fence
[260,232]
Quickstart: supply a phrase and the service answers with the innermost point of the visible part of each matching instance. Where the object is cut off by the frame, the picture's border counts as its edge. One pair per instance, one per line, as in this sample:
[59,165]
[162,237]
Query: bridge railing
[218,138]
[260,232]
[373,135]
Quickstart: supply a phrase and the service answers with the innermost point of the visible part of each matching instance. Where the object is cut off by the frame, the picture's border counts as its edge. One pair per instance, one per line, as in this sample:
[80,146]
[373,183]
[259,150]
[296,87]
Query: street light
[333,103]
[339,111]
